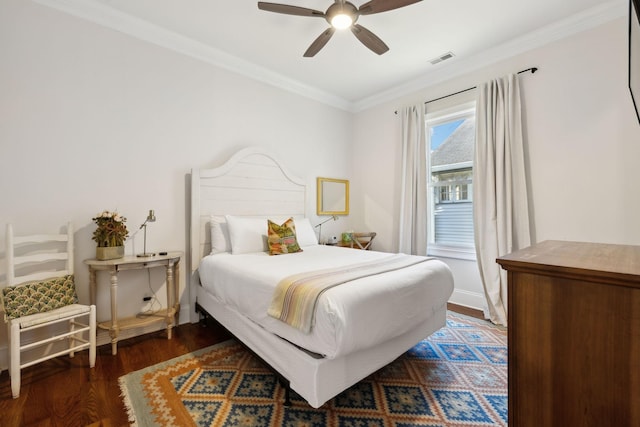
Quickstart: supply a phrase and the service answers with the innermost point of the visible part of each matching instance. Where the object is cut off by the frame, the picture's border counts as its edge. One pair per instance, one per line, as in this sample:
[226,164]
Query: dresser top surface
[577,256]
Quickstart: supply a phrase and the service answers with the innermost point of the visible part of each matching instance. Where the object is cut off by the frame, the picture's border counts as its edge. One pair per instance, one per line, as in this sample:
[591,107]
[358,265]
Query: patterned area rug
[456,377]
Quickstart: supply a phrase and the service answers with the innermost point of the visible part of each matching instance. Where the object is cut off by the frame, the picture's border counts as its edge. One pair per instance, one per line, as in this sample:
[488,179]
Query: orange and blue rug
[456,377]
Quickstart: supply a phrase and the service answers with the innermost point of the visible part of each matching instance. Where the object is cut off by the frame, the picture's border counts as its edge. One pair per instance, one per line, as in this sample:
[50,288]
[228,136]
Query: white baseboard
[468,299]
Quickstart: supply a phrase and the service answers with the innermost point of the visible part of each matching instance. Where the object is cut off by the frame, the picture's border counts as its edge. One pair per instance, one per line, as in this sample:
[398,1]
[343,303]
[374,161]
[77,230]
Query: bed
[355,330]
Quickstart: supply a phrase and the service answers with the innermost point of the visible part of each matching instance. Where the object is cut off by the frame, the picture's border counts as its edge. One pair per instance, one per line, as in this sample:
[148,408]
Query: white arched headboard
[251,183]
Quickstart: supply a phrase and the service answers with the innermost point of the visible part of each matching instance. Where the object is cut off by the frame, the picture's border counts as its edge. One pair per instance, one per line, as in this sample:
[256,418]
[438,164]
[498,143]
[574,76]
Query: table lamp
[319,226]
[150,218]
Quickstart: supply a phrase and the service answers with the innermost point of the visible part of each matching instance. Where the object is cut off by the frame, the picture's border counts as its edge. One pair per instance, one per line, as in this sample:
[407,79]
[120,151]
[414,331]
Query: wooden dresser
[574,334]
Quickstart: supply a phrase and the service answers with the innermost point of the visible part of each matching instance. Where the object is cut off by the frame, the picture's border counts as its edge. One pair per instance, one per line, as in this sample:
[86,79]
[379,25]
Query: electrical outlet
[148,301]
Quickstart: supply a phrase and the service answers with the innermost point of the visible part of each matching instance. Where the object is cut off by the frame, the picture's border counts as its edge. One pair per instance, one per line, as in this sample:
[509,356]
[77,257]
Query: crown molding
[106,16]
[585,20]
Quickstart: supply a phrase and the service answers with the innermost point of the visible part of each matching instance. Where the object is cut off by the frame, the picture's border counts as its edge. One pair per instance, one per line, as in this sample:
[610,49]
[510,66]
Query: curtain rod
[532,69]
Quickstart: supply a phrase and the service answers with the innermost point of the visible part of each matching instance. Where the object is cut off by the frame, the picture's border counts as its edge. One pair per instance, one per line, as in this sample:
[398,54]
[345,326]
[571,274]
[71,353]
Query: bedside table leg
[176,293]
[113,331]
[170,313]
[92,286]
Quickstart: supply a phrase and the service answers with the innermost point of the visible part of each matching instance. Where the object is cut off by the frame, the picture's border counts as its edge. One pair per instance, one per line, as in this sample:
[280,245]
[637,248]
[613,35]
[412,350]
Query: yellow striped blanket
[295,298]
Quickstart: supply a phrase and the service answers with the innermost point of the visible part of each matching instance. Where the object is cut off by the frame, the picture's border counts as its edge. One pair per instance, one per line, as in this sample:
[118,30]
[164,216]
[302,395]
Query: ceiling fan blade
[369,39]
[377,6]
[289,10]
[319,42]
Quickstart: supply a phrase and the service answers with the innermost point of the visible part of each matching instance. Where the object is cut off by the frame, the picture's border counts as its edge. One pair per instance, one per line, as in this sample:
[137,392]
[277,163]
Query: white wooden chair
[39,299]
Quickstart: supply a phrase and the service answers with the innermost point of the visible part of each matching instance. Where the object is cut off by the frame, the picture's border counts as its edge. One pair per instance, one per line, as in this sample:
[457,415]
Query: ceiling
[269,46]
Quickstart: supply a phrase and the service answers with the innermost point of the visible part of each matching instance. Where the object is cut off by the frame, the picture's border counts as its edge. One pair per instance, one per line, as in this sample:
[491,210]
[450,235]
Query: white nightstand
[171,262]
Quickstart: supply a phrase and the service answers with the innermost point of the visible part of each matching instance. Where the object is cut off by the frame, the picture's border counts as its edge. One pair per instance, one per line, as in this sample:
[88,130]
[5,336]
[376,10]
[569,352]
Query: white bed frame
[254,183]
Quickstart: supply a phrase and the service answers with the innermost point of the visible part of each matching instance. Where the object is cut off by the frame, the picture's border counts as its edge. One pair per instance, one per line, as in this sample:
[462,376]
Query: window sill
[452,252]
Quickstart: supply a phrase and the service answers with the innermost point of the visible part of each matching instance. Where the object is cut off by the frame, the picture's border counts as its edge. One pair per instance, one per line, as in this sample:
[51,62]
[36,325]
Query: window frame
[432,119]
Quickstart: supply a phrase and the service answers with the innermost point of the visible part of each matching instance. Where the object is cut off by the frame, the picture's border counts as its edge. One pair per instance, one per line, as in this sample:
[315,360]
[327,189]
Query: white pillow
[247,235]
[305,234]
[220,241]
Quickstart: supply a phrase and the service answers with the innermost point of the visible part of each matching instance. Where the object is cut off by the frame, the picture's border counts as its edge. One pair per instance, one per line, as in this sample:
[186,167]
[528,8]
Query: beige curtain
[501,214]
[413,208]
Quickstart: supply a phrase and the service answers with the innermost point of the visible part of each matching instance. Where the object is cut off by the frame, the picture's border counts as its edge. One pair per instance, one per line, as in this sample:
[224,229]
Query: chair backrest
[38,257]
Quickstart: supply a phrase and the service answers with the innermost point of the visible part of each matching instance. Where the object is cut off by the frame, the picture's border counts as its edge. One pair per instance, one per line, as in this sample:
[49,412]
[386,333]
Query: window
[451,137]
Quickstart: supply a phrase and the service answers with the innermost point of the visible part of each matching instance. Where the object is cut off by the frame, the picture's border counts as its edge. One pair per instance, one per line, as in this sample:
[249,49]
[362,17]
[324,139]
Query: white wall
[582,147]
[92,119]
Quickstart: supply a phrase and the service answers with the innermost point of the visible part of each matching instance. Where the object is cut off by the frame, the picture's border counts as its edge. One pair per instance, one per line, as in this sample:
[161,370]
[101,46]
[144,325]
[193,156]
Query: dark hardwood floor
[64,392]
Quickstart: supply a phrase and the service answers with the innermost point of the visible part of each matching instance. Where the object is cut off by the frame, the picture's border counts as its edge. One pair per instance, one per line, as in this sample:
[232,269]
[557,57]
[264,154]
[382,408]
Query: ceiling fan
[341,15]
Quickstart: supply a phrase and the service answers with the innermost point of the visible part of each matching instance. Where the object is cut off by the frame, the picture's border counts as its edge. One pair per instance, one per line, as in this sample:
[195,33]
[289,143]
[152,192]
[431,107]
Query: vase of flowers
[110,235]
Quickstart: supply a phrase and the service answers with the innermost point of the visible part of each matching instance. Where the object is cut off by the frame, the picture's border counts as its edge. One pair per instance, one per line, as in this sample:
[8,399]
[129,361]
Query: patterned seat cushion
[38,297]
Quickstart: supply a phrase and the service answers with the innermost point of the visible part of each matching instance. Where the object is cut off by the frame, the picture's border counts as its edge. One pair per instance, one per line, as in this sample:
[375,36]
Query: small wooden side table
[359,241]
[171,262]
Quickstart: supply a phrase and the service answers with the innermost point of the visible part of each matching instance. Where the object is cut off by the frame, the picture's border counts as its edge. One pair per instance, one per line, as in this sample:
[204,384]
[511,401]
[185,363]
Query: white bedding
[350,317]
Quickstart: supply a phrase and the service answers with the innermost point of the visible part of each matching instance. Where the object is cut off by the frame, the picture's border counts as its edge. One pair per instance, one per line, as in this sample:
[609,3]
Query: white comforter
[349,317]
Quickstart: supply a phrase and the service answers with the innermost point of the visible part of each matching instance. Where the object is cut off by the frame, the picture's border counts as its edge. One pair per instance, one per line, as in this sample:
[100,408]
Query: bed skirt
[316,379]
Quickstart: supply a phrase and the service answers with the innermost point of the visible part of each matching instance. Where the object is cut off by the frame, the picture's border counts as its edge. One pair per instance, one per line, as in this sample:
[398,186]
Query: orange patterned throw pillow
[282,238]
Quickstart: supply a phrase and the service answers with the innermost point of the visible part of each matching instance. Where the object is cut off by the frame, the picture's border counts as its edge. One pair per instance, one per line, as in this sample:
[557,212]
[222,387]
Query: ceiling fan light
[341,21]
